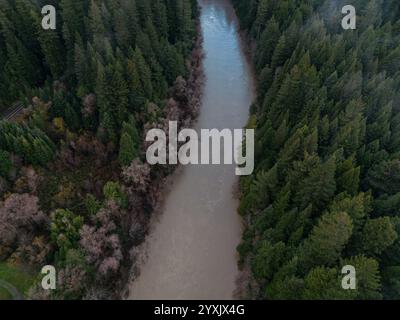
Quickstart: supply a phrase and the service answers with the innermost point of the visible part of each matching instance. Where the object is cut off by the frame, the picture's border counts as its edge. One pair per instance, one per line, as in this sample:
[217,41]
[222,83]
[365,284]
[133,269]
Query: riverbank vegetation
[74,190]
[326,190]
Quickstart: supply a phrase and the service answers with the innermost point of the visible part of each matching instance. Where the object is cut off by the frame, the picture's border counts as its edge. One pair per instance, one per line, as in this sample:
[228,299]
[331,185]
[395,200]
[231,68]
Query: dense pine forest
[74,189]
[326,191]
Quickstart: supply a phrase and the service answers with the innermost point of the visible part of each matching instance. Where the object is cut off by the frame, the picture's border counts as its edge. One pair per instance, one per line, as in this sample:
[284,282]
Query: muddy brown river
[191,250]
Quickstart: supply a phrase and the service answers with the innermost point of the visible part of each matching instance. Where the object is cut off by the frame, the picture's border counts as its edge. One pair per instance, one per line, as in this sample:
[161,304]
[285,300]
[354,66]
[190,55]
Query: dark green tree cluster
[5,163]
[326,190]
[126,52]
[20,50]
[31,144]
[129,143]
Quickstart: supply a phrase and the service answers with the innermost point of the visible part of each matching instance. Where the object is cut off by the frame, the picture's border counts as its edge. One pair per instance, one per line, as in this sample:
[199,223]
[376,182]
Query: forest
[75,191]
[326,189]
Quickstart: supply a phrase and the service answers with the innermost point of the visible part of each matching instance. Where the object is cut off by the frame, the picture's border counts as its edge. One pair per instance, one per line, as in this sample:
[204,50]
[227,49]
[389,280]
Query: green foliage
[285,284]
[319,187]
[129,143]
[324,283]
[385,177]
[20,279]
[368,285]
[326,184]
[152,38]
[113,191]
[126,150]
[92,204]
[31,144]
[391,279]
[378,234]
[267,259]
[71,117]
[5,163]
[65,227]
[327,240]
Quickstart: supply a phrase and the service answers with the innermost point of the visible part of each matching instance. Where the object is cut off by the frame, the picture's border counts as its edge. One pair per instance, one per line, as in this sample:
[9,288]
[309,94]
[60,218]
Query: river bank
[159,186]
[190,252]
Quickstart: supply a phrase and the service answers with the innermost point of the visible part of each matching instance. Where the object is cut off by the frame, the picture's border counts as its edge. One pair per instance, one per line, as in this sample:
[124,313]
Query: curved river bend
[192,247]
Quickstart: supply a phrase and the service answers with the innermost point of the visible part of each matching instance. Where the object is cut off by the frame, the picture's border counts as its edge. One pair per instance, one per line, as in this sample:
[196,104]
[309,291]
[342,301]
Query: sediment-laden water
[192,247]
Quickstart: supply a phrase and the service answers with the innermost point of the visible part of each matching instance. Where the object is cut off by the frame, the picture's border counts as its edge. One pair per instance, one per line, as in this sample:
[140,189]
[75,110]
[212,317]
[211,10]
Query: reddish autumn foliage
[101,243]
[20,218]
[137,175]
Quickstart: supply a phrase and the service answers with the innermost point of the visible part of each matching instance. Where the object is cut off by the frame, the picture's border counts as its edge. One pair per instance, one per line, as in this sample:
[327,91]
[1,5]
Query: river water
[191,251]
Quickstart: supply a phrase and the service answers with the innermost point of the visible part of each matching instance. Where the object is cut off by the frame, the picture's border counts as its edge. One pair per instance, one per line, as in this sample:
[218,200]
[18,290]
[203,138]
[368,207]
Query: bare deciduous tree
[101,243]
[20,217]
